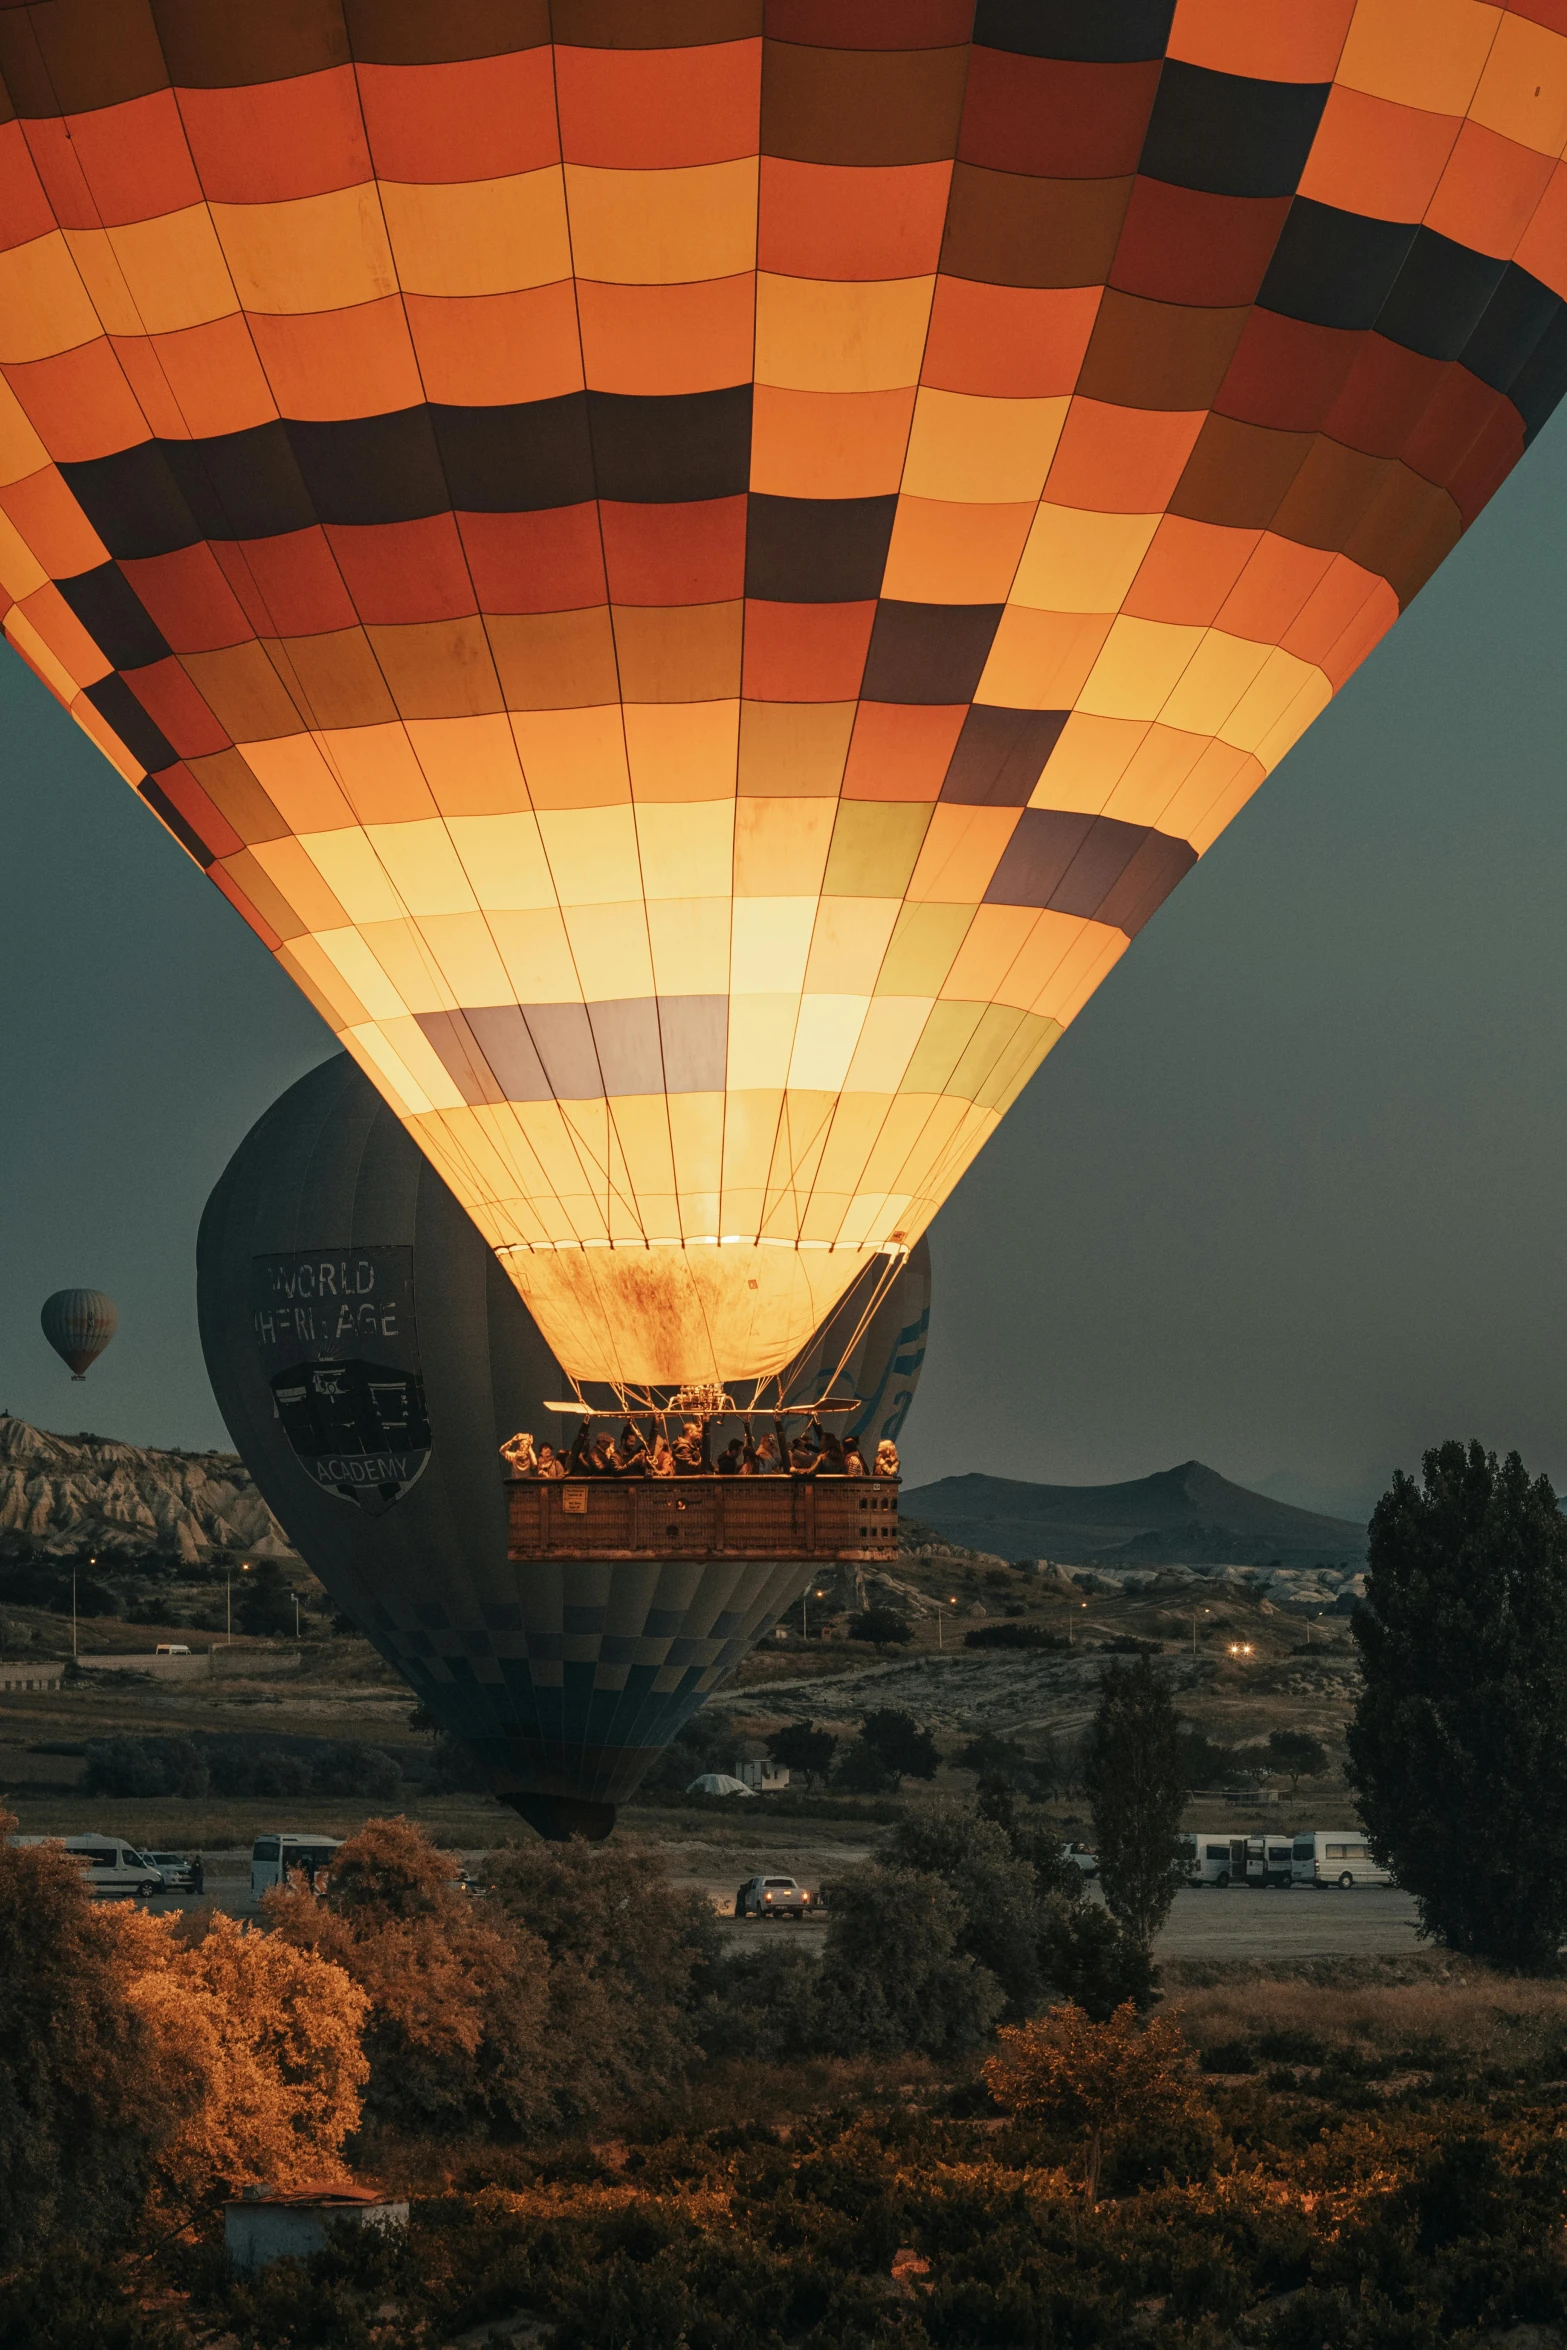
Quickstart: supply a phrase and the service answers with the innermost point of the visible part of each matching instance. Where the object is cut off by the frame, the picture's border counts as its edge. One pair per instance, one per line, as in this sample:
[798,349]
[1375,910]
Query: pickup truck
[773,1897]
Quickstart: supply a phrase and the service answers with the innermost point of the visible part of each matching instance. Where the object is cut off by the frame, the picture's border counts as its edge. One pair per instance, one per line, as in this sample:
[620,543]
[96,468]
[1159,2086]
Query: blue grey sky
[1287,1198]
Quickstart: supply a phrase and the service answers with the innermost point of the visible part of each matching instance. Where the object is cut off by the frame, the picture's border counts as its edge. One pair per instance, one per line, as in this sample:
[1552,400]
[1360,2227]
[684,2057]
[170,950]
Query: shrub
[882,1626]
[1110,2088]
[146,1766]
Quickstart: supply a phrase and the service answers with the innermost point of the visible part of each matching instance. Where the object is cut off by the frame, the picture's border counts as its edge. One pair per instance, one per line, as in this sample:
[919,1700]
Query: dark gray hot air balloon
[79,1324]
[370,1356]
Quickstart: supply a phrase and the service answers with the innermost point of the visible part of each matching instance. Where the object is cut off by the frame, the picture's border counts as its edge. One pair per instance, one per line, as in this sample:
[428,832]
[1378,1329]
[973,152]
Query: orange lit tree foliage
[1094,2084]
[266,2039]
[85,2108]
[456,2004]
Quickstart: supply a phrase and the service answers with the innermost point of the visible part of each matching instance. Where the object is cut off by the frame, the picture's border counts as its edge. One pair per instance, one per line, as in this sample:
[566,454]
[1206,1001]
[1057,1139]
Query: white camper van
[111,1866]
[291,1850]
[1219,1861]
[1336,1856]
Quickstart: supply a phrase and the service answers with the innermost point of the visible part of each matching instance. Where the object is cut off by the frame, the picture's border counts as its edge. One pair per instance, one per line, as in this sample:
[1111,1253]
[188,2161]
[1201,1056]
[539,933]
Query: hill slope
[1187,1516]
[60,1495]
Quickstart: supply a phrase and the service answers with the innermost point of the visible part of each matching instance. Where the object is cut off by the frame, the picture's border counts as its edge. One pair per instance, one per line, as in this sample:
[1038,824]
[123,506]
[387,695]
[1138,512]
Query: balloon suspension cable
[884,1280]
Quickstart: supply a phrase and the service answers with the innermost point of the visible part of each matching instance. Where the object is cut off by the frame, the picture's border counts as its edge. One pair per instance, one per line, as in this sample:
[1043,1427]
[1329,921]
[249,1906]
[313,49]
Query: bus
[295,1853]
[1336,1856]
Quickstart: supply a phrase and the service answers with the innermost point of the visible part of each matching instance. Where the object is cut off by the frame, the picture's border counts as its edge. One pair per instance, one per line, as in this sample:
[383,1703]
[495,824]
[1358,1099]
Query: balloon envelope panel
[698,571]
[79,1324]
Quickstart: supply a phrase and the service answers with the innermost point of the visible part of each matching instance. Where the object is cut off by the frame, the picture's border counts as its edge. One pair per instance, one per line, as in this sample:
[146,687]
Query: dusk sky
[1287,1198]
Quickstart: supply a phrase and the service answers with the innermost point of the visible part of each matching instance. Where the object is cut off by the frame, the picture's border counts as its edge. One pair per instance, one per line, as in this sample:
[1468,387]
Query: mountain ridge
[1188,1515]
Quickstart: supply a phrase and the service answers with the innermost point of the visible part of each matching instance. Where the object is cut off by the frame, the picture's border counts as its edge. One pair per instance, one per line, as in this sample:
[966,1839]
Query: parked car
[1081,1858]
[291,1852]
[179,1872]
[113,1869]
[772,1897]
[1336,1856]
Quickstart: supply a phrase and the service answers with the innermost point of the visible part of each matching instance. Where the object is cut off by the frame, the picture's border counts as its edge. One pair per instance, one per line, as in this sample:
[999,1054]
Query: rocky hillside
[62,1495]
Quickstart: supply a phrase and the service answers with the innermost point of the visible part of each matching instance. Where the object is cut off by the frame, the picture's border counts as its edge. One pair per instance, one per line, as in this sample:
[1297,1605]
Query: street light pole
[73,1613]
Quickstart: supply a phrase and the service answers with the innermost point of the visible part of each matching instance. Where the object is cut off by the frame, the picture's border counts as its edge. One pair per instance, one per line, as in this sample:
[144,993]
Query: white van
[273,1857]
[1336,1856]
[111,1867]
[171,1648]
[1219,1861]
[1270,1860]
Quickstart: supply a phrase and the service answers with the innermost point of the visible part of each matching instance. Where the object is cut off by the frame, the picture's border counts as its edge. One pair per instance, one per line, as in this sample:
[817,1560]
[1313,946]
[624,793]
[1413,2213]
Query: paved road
[1245,1923]
[1235,1923]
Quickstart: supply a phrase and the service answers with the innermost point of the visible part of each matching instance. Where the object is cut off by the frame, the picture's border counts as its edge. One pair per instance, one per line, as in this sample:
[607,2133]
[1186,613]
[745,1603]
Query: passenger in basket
[632,1452]
[577,1458]
[803,1455]
[748,1463]
[886,1458]
[603,1459]
[688,1450]
[550,1462]
[853,1458]
[663,1461]
[731,1461]
[518,1454]
[829,1461]
[768,1458]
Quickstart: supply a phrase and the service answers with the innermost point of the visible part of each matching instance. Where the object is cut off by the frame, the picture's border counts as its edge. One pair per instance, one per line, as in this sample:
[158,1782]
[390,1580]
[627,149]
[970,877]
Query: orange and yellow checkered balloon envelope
[698,568]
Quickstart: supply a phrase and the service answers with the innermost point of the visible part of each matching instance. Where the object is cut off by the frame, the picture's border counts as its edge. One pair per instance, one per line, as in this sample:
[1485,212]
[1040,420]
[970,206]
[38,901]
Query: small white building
[290,2223]
[763,1777]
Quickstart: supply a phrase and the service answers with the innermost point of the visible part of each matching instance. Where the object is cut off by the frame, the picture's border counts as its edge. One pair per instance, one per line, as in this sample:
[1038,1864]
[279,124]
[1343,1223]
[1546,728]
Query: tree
[974,1858]
[1297,1754]
[457,1997]
[882,1626]
[1137,1789]
[801,1747]
[995,1757]
[908,1751]
[264,1603]
[631,1958]
[892,1973]
[1458,1747]
[1093,2082]
[266,2037]
[85,2105]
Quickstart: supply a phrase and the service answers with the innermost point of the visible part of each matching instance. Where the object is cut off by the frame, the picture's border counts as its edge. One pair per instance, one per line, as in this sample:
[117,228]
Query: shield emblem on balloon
[338,1334]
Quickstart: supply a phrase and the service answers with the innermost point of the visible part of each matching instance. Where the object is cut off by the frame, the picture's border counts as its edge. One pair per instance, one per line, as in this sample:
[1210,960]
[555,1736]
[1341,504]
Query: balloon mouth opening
[560,1817]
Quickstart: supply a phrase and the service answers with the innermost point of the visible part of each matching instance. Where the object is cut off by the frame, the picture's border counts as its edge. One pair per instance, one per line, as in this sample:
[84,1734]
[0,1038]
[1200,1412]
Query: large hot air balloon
[698,568]
[79,1324]
[369,1355]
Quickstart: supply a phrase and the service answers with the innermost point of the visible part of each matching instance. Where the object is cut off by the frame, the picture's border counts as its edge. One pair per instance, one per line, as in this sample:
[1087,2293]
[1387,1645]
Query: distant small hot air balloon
[79,1324]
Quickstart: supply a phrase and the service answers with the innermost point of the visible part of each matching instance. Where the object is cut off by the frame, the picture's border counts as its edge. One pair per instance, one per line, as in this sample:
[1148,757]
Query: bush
[882,1626]
[146,1766]
[1112,2088]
